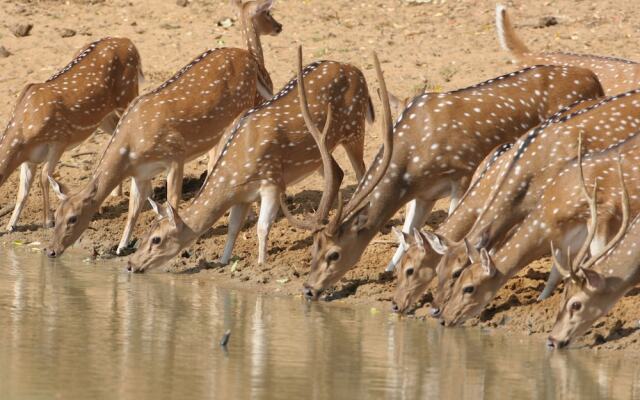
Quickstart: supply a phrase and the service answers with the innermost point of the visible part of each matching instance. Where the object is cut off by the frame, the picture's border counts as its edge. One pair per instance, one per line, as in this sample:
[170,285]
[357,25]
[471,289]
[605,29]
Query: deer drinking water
[537,160]
[60,113]
[559,218]
[267,149]
[438,142]
[615,74]
[178,121]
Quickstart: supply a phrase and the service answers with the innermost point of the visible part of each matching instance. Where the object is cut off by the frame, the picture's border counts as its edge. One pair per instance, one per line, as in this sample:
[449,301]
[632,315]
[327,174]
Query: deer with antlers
[178,121]
[538,158]
[616,75]
[58,114]
[438,142]
[593,287]
[559,218]
[269,148]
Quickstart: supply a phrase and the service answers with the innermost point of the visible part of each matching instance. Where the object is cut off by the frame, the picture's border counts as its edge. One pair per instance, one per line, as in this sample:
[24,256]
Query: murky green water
[72,330]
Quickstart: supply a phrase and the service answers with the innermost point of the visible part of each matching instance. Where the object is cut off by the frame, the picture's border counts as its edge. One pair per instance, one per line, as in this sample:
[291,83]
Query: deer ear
[402,238]
[472,251]
[155,207]
[488,266]
[173,217]
[264,5]
[58,189]
[593,280]
[360,221]
[438,243]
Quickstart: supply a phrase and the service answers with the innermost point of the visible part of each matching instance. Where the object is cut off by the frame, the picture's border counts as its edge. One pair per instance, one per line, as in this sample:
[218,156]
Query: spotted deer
[616,75]
[58,114]
[178,121]
[559,218]
[593,287]
[269,148]
[537,159]
[439,140]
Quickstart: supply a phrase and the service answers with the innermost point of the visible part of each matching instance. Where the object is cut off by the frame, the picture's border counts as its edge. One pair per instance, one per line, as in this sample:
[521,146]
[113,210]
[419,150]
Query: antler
[357,202]
[593,223]
[330,166]
[624,200]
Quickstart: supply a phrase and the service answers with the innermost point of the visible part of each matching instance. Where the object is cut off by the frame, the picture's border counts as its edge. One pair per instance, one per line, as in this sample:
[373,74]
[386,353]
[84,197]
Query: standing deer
[592,288]
[538,158]
[58,114]
[558,218]
[438,142]
[268,149]
[178,121]
[615,74]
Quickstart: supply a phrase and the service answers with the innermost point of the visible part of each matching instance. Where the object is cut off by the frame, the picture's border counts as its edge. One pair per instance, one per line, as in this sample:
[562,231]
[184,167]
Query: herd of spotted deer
[542,161]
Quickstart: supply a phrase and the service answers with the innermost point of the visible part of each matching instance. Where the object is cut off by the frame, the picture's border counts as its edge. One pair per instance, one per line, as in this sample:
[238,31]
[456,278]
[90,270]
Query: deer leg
[47,171]
[416,215]
[269,207]
[174,183]
[140,190]
[27,170]
[236,220]
[456,194]
[355,152]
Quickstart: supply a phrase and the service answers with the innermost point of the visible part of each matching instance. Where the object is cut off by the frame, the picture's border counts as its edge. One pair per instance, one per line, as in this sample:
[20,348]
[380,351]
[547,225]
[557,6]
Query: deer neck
[527,244]
[254,45]
[114,167]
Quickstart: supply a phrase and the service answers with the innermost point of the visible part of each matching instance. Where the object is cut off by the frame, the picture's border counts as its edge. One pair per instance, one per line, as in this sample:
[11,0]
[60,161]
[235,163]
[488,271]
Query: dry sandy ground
[443,44]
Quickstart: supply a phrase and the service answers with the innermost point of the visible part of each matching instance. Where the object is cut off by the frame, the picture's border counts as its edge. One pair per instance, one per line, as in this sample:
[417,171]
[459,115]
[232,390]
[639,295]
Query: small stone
[546,22]
[4,53]
[65,33]
[21,30]
[182,3]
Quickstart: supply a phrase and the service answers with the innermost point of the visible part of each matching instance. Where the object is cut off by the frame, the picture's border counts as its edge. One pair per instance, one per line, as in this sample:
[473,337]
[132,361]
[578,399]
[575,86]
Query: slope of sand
[440,45]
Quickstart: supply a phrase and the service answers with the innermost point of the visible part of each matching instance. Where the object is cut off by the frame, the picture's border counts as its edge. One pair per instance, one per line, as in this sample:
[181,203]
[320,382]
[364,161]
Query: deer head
[70,217]
[415,270]
[330,257]
[168,235]
[456,256]
[586,298]
[259,13]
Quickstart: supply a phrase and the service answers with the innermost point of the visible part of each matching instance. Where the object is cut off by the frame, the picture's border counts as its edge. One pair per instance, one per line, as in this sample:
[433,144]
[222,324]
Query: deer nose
[278,28]
[129,267]
[51,253]
[434,312]
[394,307]
[551,342]
[309,293]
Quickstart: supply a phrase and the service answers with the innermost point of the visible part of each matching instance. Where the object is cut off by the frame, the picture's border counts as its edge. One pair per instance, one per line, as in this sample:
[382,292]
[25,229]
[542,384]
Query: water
[75,330]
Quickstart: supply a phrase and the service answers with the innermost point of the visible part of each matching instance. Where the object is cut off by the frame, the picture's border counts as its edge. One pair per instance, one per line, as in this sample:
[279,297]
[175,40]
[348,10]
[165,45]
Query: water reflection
[70,329]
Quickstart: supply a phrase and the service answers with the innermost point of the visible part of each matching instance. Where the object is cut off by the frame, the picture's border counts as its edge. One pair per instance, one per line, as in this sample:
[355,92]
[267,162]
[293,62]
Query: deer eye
[467,289]
[409,272]
[576,306]
[333,256]
[456,273]
[72,220]
[155,240]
